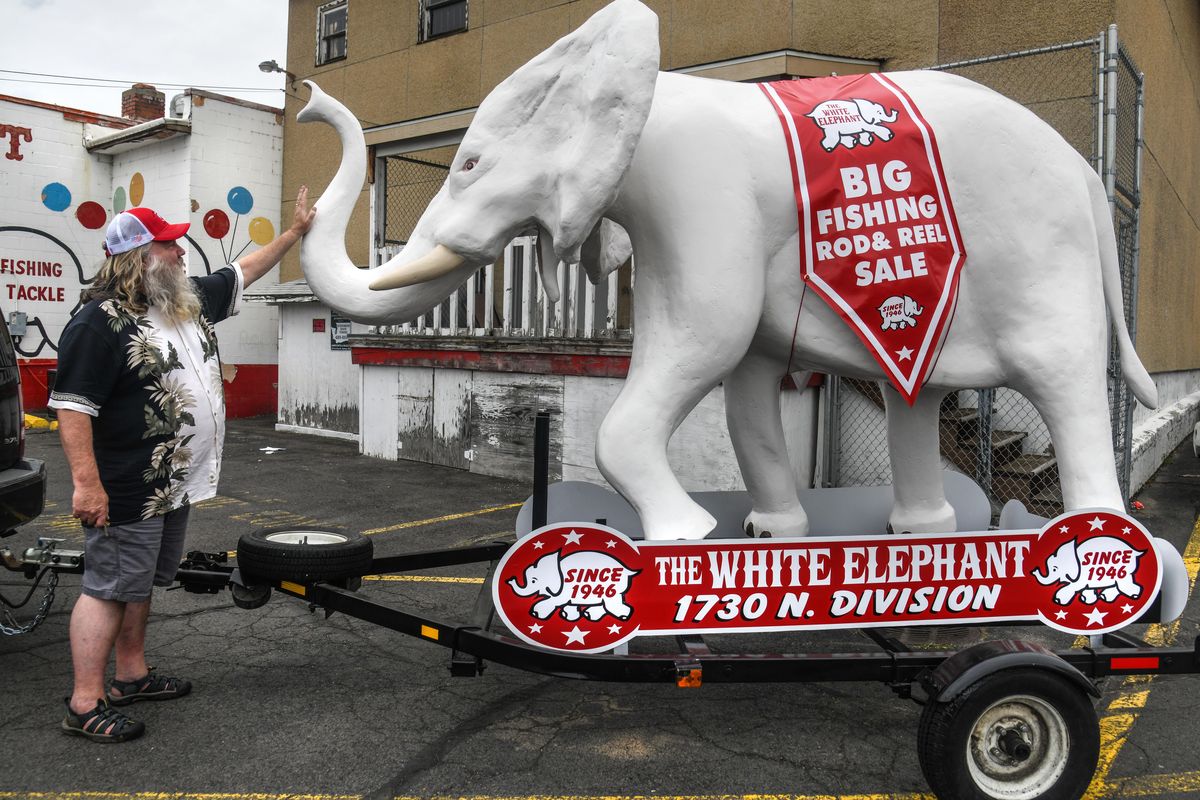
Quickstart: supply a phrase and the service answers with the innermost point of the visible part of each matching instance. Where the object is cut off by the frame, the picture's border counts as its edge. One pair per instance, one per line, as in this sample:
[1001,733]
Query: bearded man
[141,414]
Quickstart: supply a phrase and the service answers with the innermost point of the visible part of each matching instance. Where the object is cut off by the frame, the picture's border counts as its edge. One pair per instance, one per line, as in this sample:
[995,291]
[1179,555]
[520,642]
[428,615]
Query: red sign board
[879,239]
[583,587]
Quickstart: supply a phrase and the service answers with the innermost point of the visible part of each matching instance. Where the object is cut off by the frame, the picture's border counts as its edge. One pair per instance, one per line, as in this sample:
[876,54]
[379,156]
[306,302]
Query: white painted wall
[54,154]
[233,145]
[230,144]
[414,411]
[318,386]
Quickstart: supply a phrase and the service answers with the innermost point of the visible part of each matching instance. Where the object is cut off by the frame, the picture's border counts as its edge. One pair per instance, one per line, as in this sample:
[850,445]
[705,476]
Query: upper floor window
[439,17]
[331,32]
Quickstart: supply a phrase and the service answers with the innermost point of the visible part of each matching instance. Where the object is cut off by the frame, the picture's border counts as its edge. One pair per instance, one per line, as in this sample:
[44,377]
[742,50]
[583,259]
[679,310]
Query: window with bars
[441,17]
[331,32]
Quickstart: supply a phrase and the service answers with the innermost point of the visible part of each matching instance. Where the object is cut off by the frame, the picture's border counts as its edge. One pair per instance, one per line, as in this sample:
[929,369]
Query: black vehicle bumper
[22,494]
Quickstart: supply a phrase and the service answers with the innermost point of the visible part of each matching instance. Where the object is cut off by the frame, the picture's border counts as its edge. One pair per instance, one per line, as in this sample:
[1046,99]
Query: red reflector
[1132,662]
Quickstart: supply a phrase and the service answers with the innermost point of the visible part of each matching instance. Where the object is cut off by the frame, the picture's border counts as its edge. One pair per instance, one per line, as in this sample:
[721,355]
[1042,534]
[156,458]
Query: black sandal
[102,724]
[151,687]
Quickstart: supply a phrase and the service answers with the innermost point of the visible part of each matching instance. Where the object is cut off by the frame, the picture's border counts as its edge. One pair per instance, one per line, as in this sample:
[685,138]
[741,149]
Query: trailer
[1008,717]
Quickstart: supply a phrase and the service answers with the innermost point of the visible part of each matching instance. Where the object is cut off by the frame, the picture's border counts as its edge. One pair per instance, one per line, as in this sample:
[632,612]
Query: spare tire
[304,555]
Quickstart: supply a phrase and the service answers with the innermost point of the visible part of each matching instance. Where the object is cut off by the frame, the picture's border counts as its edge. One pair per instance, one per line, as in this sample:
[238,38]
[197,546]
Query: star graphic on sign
[538,545]
[1096,523]
[1063,529]
[1060,615]
[573,537]
[614,629]
[1126,530]
[535,628]
[575,635]
[610,544]
[1127,609]
[904,353]
[1096,616]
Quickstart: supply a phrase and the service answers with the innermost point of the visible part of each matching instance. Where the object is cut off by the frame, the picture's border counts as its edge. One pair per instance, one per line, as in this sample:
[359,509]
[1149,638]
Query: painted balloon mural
[92,215]
[260,230]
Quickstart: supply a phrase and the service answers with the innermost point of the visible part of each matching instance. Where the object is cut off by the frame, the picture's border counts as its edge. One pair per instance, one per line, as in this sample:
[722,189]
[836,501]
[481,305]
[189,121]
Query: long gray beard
[169,290]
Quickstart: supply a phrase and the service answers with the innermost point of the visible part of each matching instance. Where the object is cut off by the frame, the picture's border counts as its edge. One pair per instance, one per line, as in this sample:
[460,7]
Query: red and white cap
[135,227]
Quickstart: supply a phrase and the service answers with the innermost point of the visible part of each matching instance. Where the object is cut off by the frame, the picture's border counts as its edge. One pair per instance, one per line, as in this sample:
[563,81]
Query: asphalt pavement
[290,703]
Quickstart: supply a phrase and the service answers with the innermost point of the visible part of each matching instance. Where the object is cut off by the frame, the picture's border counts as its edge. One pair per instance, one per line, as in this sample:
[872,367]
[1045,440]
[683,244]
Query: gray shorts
[123,562]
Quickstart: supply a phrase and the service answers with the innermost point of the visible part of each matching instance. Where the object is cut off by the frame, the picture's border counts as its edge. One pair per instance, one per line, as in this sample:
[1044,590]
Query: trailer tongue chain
[51,560]
[9,626]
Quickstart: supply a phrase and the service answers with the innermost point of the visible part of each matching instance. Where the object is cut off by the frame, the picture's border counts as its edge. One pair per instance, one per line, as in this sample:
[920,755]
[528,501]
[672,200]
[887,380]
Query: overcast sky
[174,44]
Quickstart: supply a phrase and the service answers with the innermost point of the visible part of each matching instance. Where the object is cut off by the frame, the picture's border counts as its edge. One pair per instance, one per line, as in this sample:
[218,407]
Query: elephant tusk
[434,264]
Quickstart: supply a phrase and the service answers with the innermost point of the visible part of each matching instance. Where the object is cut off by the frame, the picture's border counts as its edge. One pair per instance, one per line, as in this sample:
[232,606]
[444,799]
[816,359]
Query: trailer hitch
[42,561]
[200,562]
[42,555]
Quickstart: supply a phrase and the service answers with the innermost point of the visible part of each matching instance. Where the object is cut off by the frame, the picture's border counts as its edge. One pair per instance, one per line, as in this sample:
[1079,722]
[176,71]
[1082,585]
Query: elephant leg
[631,449]
[693,328]
[830,139]
[756,429]
[920,498]
[1076,414]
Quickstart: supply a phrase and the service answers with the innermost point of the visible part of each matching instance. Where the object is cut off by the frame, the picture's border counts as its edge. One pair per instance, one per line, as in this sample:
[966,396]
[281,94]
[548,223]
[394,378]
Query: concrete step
[1028,465]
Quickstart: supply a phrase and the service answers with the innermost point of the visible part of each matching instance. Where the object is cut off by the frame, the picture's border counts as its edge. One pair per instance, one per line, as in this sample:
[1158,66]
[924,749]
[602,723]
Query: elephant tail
[1132,369]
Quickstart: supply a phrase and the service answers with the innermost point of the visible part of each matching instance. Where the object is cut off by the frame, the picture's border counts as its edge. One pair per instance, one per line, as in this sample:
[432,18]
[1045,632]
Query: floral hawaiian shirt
[154,389]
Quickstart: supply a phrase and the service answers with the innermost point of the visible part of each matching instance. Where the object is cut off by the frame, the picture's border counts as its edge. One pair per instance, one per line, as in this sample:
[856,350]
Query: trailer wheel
[304,556]
[1016,734]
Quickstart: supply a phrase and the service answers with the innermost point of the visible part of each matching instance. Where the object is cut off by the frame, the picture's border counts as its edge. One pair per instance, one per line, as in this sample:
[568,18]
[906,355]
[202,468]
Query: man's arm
[89,502]
[258,263]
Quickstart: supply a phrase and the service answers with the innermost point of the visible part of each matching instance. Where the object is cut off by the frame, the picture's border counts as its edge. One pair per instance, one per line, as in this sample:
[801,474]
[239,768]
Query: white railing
[584,310]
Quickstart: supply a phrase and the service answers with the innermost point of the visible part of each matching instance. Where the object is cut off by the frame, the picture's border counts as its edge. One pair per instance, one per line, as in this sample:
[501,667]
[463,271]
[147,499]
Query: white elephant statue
[589,141]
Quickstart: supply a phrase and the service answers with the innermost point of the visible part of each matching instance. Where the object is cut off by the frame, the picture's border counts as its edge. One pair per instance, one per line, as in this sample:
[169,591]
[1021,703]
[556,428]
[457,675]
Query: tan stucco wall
[1164,40]
[388,78]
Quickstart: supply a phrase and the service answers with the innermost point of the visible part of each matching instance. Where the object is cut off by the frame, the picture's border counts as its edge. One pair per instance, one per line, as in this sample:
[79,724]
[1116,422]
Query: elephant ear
[606,249]
[550,573]
[1068,560]
[584,101]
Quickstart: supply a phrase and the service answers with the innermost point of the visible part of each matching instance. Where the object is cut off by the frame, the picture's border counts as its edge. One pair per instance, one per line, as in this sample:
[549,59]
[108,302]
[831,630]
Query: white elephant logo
[851,122]
[584,581]
[1102,565]
[899,312]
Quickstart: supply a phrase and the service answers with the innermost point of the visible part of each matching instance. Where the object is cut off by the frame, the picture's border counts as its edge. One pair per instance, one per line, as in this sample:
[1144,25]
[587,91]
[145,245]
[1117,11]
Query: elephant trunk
[521,591]
[331,275]
[892,118]
[1044,580]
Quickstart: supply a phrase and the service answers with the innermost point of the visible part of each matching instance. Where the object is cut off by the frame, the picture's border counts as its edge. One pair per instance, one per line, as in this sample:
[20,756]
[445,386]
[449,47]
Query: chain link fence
[409,186]
[1091,92]
[503,299]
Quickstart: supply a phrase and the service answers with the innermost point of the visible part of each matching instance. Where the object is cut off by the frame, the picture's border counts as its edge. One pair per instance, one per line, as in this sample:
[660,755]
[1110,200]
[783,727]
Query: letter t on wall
[15,135]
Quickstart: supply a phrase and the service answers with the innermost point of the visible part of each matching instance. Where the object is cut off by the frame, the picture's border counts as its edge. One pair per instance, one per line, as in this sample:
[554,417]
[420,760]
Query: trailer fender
[967,667]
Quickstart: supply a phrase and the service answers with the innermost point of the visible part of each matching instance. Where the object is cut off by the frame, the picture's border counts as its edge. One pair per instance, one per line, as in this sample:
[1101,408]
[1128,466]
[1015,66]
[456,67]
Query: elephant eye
[469,164]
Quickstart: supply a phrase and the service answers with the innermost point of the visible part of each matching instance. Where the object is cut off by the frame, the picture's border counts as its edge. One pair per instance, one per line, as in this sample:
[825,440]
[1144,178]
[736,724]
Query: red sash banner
[584,587]
[879,240]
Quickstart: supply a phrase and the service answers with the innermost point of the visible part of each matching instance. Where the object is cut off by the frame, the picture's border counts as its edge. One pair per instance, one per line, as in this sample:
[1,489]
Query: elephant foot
[938,519]
[690,522]
[762,525]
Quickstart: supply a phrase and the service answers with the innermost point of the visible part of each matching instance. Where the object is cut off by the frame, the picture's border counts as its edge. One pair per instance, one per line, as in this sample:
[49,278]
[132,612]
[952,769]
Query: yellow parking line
[909,796]
[422,579]
[171,796]
[419,522]
[1156,785]
[1114,728]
